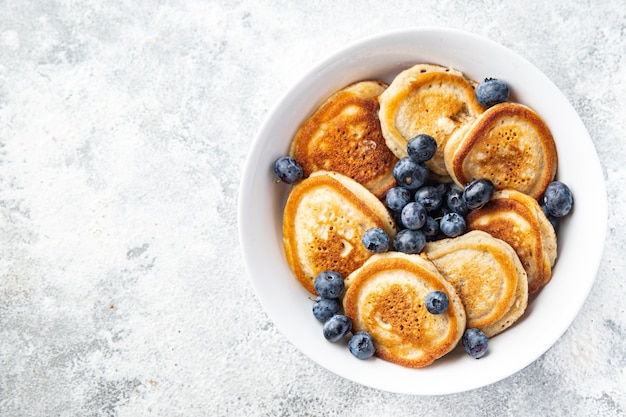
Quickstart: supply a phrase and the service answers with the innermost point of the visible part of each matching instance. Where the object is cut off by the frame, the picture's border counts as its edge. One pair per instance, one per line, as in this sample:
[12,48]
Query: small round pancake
[344,135]
[386,297]
[324,219]
[488,276]
[430,99]
[517,219]
[508,144]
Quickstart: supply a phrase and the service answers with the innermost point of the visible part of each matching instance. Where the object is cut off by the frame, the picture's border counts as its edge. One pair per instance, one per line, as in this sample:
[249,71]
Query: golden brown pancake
[324,219]
[508,144]
[517,219]
[429,99]
[488,276]
[386,297]
[344,136]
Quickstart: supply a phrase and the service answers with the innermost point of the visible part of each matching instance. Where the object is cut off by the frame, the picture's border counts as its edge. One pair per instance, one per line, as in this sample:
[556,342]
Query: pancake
[386,297]
[517,219]
[430,99]
[344,135]
[508,144]
[324,219]
[488,276]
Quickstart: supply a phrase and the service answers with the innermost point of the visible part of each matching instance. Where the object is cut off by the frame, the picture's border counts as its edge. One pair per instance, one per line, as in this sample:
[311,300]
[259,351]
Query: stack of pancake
[348,148]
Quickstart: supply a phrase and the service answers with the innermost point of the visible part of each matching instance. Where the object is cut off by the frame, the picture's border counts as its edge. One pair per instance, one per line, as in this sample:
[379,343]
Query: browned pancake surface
[344,135]
[517,219]
[508,144]
[428,99]
[323,221]
[386,297]
[488,276]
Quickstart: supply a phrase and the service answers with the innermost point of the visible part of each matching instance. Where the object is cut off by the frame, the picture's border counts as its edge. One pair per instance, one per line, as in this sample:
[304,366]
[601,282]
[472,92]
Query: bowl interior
[581,241]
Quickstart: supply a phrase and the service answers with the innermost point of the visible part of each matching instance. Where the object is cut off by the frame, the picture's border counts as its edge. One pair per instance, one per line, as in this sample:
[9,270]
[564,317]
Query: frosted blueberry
[410,174]
[336,327]
[430,197]
[452,224]
[328,284]
[325,308]
[492,91]
[413,216]
[478,192]
[558,199]
[421,148]
[361,345]
[409,241]
[376,240]
[397,198]
[475,343]
[287,169]
[437,302]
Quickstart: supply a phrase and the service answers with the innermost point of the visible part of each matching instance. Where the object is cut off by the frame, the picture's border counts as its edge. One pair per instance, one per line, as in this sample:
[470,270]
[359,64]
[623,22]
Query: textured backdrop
[124,127]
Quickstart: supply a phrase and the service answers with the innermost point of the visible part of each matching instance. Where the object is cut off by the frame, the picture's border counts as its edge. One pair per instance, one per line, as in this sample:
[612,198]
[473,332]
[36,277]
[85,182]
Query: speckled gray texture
[124,126]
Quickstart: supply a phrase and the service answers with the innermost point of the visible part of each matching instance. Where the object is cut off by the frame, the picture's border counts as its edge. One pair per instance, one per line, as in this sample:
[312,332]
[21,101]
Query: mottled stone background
[124,126]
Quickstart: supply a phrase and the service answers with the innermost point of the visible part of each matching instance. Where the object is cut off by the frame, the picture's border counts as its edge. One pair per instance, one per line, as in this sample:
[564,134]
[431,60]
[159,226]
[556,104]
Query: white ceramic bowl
[581,236]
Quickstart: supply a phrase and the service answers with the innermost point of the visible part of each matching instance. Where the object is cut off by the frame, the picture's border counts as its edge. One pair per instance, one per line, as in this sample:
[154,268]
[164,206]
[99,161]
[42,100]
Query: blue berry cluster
[426,210]
[329,286]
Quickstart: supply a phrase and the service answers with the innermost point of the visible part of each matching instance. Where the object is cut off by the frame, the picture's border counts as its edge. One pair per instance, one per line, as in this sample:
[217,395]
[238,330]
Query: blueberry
[437,302]
[325,308]
[361,345]
[558,199]
[287,169]
[413,216]
[409,241]
[336,327]
[430,228]
[376,240]
[397,198]
[429,197]
[410,174]
[491,92]
[475,342]
[421,148]
[477,193]
[455,201]
[328,284]
[452,224]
